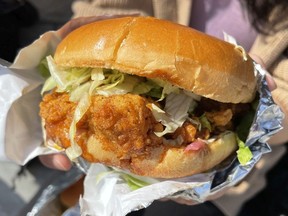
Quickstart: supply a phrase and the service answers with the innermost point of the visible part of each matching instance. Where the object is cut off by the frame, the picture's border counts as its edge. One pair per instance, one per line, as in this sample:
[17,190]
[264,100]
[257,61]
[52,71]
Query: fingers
[56,161]
[257,59]
[77,22]
[270,81]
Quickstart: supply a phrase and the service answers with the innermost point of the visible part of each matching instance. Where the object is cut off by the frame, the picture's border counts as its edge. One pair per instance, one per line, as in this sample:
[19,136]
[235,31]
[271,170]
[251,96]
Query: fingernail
[62,164]
[270,81]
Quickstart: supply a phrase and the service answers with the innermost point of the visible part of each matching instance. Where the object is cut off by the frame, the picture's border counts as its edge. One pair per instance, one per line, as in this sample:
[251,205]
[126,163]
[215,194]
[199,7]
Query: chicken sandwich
[148,96]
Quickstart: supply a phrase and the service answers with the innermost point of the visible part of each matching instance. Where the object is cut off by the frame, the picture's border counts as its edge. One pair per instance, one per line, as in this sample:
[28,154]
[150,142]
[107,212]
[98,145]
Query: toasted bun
[164,162]
[180,55]
[160,49]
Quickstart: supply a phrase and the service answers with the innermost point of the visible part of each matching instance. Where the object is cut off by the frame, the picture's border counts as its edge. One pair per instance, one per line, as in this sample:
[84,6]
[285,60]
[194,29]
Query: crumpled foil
[107,193]
[50,193]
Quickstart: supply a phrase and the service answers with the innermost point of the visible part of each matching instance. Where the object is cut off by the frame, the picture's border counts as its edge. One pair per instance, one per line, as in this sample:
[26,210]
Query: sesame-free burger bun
[167,162]
[154,48]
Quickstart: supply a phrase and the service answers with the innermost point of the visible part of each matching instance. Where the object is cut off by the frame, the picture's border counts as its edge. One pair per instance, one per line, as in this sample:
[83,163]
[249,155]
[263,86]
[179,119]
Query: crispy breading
[122,123]
[220,118]
[125,123]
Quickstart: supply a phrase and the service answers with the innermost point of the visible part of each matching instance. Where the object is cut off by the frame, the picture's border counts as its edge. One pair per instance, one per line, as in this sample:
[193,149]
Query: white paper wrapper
[118,199]
[20,128]
[107,193]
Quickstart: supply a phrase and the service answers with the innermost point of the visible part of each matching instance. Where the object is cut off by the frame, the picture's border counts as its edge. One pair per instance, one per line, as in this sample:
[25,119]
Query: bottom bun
[167,162]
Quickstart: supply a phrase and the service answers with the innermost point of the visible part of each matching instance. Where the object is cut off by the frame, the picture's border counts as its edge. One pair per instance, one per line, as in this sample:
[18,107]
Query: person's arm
[280,96]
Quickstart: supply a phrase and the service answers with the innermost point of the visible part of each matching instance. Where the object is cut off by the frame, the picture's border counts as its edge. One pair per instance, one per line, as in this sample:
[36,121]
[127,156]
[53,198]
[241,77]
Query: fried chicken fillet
[132,95]
[124,125]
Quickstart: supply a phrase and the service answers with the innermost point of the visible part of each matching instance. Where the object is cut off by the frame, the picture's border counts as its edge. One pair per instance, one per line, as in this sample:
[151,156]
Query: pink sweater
[215,17]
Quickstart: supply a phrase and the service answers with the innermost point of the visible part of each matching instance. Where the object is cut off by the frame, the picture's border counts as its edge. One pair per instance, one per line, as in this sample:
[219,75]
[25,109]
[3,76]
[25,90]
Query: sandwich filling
[130,115]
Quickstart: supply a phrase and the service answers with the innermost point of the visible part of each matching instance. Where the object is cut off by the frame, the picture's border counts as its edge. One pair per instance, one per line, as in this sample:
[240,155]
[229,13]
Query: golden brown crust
[118,131]
[165,162]
[180,55]
[160,49]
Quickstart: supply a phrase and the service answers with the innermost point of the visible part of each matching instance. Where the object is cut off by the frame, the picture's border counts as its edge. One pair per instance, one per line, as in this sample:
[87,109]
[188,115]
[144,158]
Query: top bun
[155,48]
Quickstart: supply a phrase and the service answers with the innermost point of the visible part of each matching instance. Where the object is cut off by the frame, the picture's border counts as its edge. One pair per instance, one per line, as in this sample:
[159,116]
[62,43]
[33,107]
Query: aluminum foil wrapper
[49,194]
[107,193]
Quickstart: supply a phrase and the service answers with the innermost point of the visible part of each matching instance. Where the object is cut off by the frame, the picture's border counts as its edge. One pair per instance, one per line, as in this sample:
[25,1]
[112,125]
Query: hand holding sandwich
[73,24]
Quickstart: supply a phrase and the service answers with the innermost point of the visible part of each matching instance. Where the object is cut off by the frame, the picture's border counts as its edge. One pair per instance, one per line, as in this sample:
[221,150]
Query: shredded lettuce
[97,77]
[43,68]
[244,154]
[82,83]
[205,123]
[112,79]
[174,114]
[161,116]
[155,88]
[123,85]
[168,89]
[148,87]
[97,74]
[74,150]
[102,81]
[65,79]
[133,182]
[48,85]
[177,106]
[77,93]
